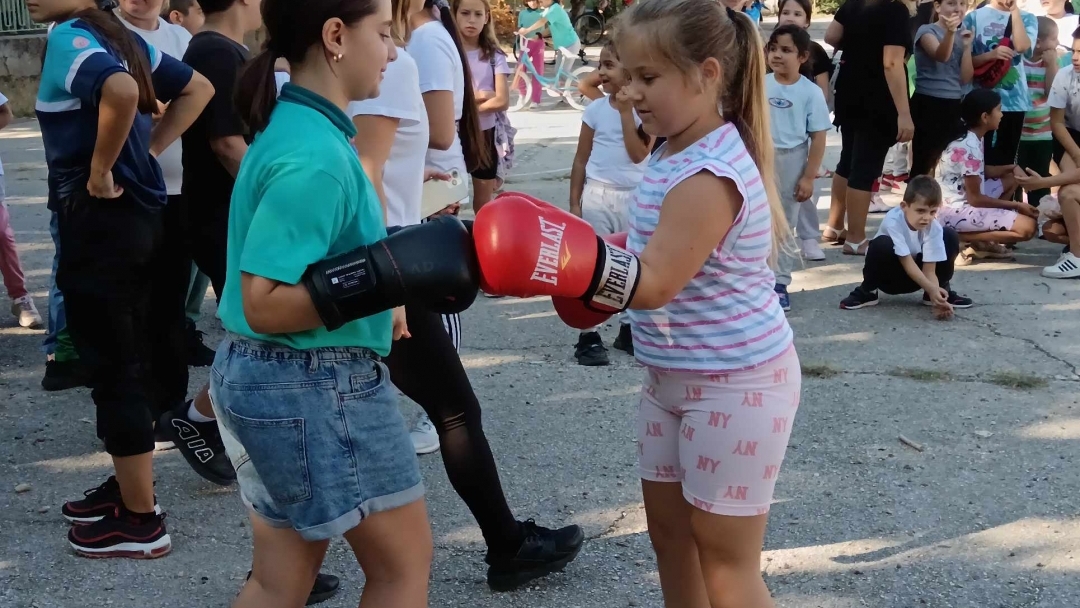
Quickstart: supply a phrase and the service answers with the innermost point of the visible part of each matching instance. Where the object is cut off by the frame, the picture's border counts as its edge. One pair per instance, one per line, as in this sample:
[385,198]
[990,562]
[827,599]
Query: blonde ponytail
[742,102]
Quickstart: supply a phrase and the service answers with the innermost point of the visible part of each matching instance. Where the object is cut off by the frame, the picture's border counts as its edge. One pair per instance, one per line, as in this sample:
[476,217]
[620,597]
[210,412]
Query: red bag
[989,75]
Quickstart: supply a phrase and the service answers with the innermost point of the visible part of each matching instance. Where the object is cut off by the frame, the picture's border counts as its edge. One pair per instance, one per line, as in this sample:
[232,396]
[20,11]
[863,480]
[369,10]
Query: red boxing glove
[573,311]
[530,248]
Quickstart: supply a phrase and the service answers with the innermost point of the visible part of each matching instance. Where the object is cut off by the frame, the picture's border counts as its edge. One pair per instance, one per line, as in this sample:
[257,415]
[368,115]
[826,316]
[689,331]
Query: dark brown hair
[182,6]
[923,188]
[469,131]
[292,28]
[128,49]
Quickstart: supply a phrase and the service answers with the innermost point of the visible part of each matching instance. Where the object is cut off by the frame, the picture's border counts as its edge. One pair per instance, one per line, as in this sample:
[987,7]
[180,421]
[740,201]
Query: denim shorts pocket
[365,383]
[278,451]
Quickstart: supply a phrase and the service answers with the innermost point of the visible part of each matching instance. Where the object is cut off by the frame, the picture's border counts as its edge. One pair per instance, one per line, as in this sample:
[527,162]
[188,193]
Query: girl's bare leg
[677,559]
[394,549]
[283,567]
[730,551]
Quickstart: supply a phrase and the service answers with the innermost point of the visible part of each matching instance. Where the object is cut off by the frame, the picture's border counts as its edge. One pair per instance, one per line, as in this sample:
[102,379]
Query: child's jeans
[790,166]
[14,281]
[535,49]
[883,271]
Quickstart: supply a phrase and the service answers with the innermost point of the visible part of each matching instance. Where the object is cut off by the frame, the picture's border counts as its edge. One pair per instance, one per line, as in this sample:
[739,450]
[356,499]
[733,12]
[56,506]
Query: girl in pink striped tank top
[723,380]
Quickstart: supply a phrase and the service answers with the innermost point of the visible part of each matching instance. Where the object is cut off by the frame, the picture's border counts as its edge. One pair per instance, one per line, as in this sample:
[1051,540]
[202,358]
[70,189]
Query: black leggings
[426,367]
[1001,145]
[883,270]
[936,122]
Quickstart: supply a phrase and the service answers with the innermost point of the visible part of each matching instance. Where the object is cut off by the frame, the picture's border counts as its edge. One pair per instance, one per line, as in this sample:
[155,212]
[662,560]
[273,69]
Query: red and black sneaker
[122,534]
[99,502]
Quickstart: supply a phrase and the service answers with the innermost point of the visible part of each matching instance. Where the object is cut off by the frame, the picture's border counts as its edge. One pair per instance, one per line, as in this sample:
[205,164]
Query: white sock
[194,415]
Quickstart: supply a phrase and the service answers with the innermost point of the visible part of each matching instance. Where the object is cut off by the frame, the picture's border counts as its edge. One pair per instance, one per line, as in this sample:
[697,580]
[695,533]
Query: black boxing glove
[433,263]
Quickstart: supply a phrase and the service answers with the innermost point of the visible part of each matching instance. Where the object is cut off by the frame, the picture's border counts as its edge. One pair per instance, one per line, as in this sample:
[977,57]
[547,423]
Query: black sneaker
[64,375]
[859,298]
[955,299]
[200,443]
[625,341]
[198,354]
[542,552]
[100,502]
[590,350]
[122,534]
[325,587]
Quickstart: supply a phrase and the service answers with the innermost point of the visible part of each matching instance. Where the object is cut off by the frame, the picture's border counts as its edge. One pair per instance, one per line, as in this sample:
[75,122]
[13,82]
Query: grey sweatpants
[790,165]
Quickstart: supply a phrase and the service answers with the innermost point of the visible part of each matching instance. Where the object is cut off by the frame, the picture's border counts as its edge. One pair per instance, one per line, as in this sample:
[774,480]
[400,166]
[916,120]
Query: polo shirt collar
[301,96]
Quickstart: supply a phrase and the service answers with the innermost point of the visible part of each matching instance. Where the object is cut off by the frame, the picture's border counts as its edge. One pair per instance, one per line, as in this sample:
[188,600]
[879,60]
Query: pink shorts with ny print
[723,436]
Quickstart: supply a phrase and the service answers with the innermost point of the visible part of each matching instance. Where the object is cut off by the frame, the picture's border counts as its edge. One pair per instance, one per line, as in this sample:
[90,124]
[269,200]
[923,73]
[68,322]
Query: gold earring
[337,58]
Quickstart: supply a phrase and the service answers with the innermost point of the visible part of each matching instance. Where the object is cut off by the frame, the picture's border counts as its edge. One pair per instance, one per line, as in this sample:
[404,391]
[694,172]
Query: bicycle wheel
[520,92]
[589,27]
[570,91]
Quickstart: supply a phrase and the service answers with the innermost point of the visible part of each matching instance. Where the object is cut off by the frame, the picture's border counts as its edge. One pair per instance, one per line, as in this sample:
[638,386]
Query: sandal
[824,174]
[856,248]
[830,235]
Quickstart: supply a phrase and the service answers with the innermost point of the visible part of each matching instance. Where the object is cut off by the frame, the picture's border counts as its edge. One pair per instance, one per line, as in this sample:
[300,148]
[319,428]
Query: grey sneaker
[24,310]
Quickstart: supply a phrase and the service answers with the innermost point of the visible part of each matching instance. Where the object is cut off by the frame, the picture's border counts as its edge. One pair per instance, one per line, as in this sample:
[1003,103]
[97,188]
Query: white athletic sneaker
[1067,267]
[425,439]
[811,250]
[27,314]
[877,205]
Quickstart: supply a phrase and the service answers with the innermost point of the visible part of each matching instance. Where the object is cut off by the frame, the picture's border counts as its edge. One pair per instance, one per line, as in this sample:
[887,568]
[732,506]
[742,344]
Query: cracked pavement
[984,516]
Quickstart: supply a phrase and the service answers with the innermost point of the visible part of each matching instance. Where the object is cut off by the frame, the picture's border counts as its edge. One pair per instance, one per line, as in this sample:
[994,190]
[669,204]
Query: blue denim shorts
[315,436]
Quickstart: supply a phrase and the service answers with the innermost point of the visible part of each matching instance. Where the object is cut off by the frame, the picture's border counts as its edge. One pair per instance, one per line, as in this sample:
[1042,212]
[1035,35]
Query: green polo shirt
[301,196]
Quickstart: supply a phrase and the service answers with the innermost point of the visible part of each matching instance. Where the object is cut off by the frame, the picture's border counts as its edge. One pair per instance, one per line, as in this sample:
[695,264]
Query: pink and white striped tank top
[728,317]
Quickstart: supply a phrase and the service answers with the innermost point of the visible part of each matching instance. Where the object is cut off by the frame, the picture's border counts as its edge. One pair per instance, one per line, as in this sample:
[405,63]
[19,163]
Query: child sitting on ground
[912,251]
[977,197]
[1037,140]
[185,13]
[609,164]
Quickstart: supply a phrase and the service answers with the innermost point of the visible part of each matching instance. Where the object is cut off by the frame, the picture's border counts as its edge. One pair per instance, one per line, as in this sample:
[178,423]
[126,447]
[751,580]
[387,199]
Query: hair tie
[442,4]
[107,5]
[730,13]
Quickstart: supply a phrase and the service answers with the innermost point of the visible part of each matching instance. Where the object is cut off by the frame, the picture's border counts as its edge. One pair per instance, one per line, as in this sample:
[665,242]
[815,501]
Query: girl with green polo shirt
[563,36]
[308,416]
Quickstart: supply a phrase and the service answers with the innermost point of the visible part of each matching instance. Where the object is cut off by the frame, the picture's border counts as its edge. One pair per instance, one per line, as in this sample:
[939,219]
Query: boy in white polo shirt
[912,251]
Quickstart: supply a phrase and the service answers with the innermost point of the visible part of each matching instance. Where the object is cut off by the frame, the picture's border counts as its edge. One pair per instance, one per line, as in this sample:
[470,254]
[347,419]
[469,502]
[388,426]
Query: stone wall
[20,67]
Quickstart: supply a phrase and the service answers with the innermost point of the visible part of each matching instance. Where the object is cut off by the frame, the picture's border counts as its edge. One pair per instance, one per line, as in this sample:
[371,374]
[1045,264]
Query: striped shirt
[727,318]
[1037,119]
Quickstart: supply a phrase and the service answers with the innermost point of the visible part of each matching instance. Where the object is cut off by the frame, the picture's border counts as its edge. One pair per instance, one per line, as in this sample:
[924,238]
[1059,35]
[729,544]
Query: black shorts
[1059,150]
[491,170]
[862,156]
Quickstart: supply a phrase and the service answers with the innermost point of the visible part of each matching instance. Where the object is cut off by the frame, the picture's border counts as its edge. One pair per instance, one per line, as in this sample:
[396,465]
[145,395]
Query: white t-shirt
[172,40]
[439,67]
[3,100]
[609,162]
[795,110]
[1066,26]
[930,241]
[403,174]
[1065,94]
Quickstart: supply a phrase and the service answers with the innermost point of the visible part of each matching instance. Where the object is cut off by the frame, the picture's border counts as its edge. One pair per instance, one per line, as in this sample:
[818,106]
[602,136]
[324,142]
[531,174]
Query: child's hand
[1003,53]
[101,185]
[1028,210]
[967,37]
[943,313]
[804,189]
[623,101]
[400,327]
[575,208]
[950,24]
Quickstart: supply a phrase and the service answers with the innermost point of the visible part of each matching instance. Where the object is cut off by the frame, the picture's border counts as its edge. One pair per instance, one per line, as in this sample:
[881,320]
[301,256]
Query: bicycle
[522,85]
[591,24]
